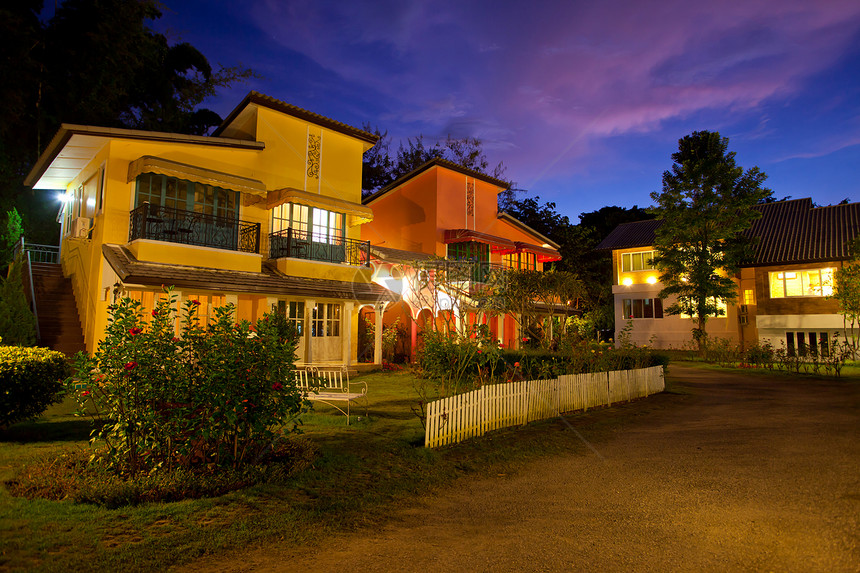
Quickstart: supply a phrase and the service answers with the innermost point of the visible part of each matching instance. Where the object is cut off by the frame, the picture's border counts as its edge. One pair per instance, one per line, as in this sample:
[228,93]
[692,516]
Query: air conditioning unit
[743,319]
[80,227]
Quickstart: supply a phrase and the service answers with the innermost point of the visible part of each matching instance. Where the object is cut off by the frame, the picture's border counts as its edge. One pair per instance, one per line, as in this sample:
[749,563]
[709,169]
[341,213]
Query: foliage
[216,395]
[17,323]
[390,336]
[705,206]
[94,62]
[846,291]
[10,233]
[381,169]
[30,381]
[459,363]
[72,477]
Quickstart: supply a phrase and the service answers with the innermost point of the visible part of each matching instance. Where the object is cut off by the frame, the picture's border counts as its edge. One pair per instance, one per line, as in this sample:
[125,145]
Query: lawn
[362,472]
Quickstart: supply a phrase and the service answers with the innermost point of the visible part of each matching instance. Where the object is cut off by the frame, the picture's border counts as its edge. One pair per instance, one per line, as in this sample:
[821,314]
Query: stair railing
[21,250]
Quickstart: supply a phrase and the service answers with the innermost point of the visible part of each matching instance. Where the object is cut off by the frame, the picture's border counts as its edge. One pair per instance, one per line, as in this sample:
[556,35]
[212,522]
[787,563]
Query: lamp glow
[652,280]
[627,281]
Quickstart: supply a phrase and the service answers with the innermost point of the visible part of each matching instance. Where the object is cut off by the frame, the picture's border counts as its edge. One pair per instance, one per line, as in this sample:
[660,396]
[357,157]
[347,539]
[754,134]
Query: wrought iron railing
[467,270]
[315,247]
[161,223]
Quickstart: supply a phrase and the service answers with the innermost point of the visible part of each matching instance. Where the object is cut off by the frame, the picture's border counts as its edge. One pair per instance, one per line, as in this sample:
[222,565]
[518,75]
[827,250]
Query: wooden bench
[330,385]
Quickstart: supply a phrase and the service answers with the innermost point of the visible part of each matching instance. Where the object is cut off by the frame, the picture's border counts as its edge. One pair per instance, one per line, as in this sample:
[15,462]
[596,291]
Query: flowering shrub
[30,381]
[216,395]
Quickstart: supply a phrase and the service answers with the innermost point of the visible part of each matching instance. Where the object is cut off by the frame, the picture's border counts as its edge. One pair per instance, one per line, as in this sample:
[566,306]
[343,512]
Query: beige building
[782,290]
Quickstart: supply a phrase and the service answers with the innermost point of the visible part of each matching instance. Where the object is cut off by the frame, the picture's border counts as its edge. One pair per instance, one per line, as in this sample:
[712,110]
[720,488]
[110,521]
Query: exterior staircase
[59,324]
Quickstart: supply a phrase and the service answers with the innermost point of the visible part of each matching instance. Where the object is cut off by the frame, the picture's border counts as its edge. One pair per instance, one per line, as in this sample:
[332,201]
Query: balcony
[160,223]
[310,246]
[472,272]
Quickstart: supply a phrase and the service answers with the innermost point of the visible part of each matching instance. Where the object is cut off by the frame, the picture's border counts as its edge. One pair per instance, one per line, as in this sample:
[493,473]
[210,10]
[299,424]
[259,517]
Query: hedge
[31,379]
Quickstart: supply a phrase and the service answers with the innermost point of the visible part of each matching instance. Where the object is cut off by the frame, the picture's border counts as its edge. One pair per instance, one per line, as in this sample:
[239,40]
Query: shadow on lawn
[64,431]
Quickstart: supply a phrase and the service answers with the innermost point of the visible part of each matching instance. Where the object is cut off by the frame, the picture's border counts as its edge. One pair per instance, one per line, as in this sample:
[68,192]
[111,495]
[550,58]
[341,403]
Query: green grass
[363,472]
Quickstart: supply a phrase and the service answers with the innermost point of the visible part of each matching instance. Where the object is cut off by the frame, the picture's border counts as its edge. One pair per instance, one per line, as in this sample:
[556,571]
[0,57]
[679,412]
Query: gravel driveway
[742,473]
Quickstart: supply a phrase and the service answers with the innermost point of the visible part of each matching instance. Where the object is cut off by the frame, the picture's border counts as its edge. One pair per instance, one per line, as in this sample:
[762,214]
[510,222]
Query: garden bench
[330,385]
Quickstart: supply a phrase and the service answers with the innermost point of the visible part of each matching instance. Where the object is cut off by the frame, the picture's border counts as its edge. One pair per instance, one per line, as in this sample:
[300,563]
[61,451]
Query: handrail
[160,223]
[33,295]
[300,244]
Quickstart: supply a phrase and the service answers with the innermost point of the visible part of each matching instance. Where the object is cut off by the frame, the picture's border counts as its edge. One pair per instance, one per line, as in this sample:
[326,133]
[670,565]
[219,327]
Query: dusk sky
[584,102]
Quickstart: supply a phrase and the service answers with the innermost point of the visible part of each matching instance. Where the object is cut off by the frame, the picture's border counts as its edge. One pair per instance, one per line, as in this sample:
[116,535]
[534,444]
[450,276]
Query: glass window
[637,261]
[325,319]
[812,282]
[642,308]
[628,308]
[297,316]
[789,343]
[186,195]
[749,296]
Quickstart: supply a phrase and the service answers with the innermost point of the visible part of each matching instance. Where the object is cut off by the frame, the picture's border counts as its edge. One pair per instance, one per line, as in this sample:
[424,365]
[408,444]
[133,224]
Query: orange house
[442,213]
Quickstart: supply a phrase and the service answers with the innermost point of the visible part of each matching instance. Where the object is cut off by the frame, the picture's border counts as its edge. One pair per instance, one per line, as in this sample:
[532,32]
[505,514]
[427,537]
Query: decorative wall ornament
[314,142]
[470,198]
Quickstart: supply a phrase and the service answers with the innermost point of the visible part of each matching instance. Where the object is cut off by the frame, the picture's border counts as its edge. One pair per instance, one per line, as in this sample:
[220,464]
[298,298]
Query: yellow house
[265,213]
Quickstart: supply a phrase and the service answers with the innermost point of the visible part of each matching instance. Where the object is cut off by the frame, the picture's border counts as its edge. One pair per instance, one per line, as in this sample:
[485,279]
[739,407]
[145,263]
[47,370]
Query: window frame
[641,255]
[824,286]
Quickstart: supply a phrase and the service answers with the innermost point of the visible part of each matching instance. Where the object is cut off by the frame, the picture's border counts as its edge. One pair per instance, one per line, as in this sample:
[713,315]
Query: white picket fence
[454,419]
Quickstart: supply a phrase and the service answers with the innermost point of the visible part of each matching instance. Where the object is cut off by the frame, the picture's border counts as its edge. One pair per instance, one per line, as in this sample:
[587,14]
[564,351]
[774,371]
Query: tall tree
[95,62]
[705,206]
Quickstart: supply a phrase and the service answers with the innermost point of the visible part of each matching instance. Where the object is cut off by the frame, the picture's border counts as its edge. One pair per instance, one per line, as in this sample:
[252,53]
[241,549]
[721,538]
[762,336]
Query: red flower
[130,365]
[134,331]
[85,393]
[479,352]
[525,339]
[516,364]
[277,386]
[195,302]
[154,312]
[174,339]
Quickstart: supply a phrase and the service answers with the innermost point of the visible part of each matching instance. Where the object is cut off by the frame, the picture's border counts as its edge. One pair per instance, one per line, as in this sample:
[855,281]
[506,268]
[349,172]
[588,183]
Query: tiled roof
[630,235]
[390,255]
[270,281]
[787,232]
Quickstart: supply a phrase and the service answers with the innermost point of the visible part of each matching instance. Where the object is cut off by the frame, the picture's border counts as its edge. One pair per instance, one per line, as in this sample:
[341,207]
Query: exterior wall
[775,317]
[746,323]
[405,218]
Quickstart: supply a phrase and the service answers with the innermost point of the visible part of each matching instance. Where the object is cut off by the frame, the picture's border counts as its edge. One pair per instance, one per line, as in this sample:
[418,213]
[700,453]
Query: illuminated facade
[265,214]
[782,289]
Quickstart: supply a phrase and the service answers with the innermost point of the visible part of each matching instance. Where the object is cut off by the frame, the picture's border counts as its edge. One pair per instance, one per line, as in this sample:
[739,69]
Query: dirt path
[744,474]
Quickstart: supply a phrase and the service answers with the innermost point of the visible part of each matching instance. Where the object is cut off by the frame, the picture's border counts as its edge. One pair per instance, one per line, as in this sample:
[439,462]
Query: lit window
[749,296]
[637,261]
[812,282]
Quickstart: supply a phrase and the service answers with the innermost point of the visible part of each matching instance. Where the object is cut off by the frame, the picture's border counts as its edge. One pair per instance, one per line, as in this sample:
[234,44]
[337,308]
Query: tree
[95,62]
[706,204]
[846,291]
[380,169]
[10,232]
[17,323]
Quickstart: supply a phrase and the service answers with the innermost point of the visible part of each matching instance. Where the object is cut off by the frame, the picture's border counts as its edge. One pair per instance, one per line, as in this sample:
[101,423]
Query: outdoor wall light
[627,281]
[63,197]
[652,280]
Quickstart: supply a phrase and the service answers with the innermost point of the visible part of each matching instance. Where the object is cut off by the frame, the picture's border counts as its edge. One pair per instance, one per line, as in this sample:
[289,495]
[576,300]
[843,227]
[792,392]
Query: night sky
[584,102]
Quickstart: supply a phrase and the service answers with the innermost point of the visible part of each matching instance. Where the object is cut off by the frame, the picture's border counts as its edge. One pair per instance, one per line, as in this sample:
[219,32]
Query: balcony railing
[468,271]
[161,223]
[311,246]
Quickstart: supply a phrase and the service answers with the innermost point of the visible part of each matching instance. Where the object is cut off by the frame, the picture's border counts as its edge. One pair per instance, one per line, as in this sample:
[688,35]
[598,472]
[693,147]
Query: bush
[30,381]
[17,323]
[212,396]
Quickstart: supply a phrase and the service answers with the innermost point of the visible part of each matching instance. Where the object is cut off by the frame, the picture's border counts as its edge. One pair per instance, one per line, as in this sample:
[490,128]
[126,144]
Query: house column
[377,334]
[271,303]
[413,337]
[309,309]
[346,332]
